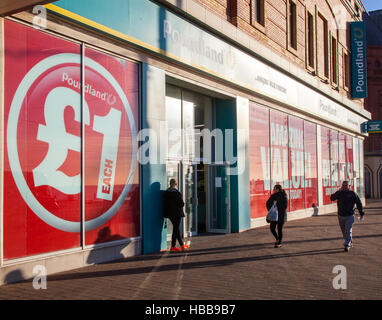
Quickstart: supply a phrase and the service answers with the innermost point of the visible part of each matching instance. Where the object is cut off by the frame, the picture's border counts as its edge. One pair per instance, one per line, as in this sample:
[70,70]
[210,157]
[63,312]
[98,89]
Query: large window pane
[335,178]
[310,144]
[296,163]
[111,169]
[42,163]
[342,157]
[196,108]
[259,159]
[325,161]
[279,150]
[349,161]
[174,121]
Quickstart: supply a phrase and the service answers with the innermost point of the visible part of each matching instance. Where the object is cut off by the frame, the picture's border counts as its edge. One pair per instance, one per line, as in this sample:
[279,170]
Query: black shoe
[347,249]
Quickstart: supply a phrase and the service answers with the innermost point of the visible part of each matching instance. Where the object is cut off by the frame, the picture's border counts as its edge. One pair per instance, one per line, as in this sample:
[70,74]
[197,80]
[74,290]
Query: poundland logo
[358,47]
[198,46]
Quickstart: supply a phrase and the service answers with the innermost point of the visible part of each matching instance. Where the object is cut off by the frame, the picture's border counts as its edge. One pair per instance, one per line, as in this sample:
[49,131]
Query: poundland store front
[106,104]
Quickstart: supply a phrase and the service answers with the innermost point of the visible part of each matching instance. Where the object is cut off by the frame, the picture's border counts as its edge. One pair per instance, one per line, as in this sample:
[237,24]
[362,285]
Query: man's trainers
[185,247]
[175,249]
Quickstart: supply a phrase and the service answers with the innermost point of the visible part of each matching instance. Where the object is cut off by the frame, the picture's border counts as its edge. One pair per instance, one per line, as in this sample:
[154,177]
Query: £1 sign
[81,140]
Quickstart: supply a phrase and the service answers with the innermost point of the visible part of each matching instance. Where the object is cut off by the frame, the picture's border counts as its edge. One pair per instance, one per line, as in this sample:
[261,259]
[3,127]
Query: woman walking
[279,195]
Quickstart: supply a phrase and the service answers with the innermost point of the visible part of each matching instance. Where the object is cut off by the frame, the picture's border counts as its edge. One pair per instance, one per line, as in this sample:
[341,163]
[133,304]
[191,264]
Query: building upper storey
[309,39]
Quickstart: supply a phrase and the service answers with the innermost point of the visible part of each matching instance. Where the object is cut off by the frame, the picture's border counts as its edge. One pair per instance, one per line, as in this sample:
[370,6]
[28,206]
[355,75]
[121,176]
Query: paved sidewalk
[242,266]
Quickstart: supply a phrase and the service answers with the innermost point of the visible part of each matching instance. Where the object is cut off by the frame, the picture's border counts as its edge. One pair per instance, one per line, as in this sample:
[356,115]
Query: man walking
[173,209]
[346,199]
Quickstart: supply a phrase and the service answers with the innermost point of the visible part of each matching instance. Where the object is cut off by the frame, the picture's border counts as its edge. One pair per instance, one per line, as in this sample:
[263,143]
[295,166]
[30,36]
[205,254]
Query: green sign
[372,126]
[358,59]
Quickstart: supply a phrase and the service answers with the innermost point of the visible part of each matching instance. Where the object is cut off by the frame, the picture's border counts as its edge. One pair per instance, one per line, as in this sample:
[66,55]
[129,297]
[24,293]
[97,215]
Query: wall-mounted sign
[372,126]
[358,59]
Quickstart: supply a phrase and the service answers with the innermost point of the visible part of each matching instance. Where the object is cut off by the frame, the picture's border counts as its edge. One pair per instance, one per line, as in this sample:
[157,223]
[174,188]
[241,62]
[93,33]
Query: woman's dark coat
[172,204]
[281,202]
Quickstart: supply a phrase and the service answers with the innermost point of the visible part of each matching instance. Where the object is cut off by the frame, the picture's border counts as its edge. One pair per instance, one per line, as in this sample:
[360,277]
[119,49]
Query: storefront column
[234,114]
[153,181]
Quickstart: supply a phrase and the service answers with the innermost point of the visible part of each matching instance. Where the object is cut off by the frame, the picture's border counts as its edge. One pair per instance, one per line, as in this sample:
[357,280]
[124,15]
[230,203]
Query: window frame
[310,41]
[292,40]
[258,23]
[326,50]
[333,60]
[346,69]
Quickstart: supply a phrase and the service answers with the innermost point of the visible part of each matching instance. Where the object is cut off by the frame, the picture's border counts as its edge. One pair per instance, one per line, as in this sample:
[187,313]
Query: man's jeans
[346,224]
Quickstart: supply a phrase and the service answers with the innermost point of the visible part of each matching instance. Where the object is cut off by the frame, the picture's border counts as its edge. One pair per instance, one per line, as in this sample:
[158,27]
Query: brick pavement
[241,266]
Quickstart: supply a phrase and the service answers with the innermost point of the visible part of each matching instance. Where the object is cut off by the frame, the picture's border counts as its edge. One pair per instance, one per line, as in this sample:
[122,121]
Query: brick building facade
[330,19]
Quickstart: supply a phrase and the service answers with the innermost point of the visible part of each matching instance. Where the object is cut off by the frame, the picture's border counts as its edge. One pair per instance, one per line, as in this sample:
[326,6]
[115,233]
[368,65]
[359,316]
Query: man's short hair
[172,182]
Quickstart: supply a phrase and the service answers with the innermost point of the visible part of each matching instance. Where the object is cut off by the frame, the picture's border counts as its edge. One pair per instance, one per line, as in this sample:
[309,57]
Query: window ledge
[258,26]
[311,70]
[292,50]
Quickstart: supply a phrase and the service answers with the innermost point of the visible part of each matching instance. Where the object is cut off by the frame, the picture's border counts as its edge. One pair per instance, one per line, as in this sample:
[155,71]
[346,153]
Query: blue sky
[372,5]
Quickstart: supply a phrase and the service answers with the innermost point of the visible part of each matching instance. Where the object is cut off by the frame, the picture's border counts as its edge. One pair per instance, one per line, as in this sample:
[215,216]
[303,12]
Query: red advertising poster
[342,157]
[296,163]
[42,164]
[310,144]
[349,161]
[111,168]
[259,159]
[34,62]
[279,150]
[325,161]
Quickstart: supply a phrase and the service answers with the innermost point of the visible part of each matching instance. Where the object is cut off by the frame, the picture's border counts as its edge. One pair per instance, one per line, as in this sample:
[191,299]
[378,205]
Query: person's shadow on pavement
[104,235]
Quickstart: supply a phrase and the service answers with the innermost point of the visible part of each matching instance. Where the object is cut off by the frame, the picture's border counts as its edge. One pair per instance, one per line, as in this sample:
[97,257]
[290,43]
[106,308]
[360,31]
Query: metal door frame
[195,198]
[211,198]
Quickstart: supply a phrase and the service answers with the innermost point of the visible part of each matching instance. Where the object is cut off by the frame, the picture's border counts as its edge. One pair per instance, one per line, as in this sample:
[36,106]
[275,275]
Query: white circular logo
[12,139]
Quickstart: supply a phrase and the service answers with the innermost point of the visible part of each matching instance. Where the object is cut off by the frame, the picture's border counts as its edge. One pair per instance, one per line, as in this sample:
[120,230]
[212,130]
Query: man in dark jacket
[346,199]
[173,209]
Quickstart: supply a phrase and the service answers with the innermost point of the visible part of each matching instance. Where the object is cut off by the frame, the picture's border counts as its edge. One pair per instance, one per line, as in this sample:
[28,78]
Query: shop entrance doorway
[204,186]
[206,194]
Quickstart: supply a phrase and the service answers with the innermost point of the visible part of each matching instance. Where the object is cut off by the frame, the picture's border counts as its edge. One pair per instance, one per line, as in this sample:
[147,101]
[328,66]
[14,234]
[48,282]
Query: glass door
[219,219]
[190,199]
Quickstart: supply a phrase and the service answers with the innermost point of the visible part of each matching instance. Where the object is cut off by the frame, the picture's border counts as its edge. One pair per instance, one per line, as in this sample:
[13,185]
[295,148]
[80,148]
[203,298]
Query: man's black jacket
[172,203]
[346,201]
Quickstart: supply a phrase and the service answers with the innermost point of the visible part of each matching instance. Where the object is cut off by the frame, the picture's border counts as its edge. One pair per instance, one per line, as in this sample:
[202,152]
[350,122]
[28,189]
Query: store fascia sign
[152,27]
[358,59]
